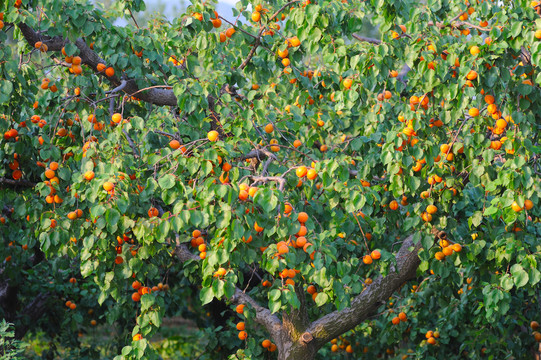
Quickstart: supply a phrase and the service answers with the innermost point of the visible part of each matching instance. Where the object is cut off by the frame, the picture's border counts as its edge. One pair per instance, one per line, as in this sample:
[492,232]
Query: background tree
[374,197]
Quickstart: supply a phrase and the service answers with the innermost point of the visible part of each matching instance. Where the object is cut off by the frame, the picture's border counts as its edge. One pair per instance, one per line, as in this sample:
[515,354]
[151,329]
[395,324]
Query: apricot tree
[341,194]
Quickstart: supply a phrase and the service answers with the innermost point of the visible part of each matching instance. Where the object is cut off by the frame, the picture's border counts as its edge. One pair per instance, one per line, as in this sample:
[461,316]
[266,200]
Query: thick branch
[5,182]
[263,315]
[157,96]
[31,313]
[366,303]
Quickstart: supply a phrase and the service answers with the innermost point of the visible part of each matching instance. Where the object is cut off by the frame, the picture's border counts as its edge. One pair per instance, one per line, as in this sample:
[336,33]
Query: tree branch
[157,96]
[366,39]
[5,182]
[365,304]
[263,315]
[33,311]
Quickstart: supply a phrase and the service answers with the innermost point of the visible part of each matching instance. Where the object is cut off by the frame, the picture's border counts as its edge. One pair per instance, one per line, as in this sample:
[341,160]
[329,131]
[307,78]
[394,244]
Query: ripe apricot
[376,255]
[311,174]
[116,118]
[472,75]
[301,171]
[212,135]
[473,112]
[367,259]
[229,32]
[447,251]
[302,217]
[110,72]
[515,207]
[240,309]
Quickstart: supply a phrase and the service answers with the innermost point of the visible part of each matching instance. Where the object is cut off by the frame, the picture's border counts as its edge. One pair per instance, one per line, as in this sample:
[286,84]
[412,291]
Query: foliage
[9,348]
[112,200]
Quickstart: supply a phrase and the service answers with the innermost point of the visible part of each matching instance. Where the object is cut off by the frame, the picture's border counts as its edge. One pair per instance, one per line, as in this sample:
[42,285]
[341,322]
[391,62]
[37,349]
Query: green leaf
[206,295]
[147,300]
[520,276]
[166,181]
[321,299]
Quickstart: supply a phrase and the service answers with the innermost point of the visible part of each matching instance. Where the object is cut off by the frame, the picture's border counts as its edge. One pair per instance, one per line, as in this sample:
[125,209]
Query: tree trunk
[289,350]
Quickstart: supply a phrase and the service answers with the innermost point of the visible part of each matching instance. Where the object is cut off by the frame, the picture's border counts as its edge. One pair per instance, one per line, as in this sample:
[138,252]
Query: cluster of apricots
[14,165]
[246,191]
[175,144]
[216,21]
[431,337]
[341,344]
[534,325]
[71,305]
[468,281]
[374,255]
[300,241]
[269,345]
[402,317]
[198,242]
[227,34]
[142,290]
[447,249]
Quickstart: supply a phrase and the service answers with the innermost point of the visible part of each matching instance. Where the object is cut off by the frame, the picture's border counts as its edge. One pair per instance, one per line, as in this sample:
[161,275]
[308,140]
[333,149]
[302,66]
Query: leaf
[520,276]
[476,219]
[112,216]
[206,295]
[147,300]
[6,87]
[274,306]
[275,294]
[321,299]
[166,181]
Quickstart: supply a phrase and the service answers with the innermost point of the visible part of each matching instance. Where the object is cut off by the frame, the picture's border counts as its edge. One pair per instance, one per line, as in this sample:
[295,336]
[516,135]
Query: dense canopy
[297,189]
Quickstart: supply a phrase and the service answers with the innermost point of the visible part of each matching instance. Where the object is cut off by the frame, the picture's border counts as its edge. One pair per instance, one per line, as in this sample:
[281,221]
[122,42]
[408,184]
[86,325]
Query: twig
[132,144]
[366,39]
[131,14]
[238,28]
[264,179]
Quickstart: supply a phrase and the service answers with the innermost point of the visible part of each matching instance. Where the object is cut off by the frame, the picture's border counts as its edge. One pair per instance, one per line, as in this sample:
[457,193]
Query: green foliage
[366,151]
[9,348]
